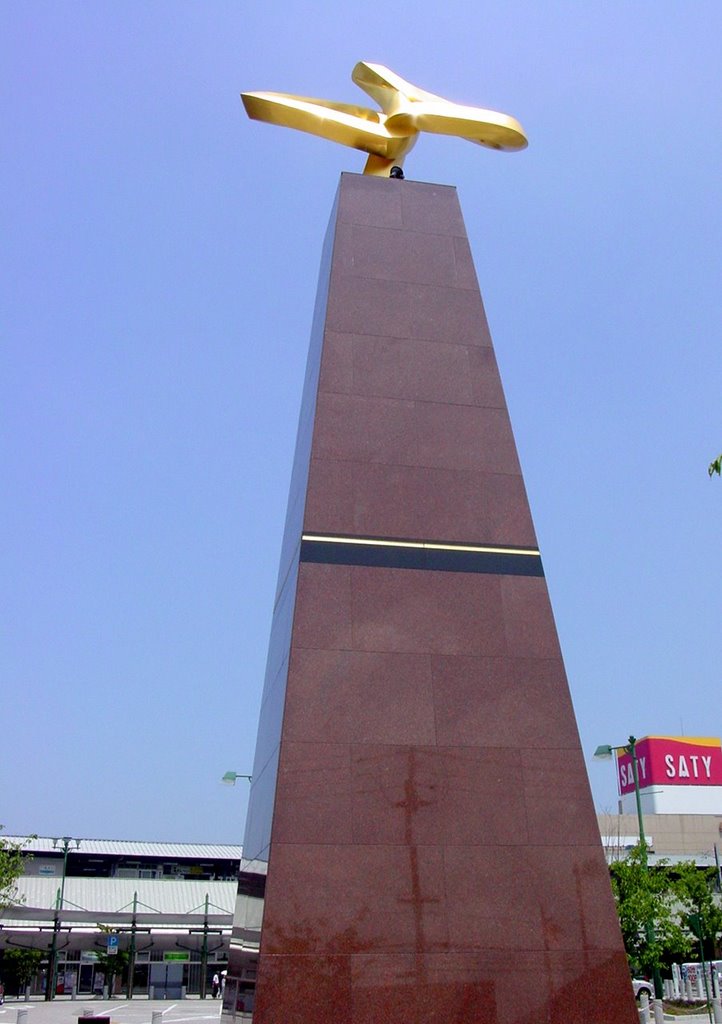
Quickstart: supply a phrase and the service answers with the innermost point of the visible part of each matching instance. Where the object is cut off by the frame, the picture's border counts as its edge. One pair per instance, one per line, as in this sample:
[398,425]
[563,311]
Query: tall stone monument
[421,842]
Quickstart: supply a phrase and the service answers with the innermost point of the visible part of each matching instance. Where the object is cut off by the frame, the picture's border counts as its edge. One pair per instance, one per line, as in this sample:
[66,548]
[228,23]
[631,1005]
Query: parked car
[641,985]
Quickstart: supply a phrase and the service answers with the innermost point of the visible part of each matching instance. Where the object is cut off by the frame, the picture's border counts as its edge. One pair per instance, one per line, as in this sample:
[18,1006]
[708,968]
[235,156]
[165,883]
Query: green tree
[11,867]
[647,897]
[20,966]
[715,467]
[694,888]
[112,965]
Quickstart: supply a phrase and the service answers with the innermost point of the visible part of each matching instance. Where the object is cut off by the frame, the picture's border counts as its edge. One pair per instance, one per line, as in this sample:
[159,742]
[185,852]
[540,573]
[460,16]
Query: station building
[670,838]
[170,905]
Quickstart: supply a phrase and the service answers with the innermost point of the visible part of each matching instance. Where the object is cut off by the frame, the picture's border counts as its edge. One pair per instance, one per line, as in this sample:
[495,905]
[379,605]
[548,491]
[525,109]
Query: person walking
[215,985]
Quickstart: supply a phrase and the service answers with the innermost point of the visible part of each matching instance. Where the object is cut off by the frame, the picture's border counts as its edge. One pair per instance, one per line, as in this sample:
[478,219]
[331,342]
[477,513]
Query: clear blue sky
[159,268]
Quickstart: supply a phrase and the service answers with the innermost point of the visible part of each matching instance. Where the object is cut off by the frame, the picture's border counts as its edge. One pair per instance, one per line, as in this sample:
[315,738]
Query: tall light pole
[64,845]
[604,753]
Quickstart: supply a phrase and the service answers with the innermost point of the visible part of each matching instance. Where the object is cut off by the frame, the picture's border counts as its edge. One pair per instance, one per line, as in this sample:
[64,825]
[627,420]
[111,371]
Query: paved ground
[120,1011]
[139,1011]
[693,1018]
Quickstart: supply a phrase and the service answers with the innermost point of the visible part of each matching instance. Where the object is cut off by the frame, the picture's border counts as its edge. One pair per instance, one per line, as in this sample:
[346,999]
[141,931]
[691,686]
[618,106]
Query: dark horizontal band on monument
[437,556]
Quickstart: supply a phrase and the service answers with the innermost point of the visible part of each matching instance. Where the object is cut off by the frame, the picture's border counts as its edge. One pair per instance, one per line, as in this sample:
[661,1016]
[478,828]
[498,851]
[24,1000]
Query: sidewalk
[139,1010]
[691,1018]
[88,997]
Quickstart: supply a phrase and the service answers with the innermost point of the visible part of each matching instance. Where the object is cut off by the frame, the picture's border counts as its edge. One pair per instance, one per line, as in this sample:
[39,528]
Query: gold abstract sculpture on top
[387,136]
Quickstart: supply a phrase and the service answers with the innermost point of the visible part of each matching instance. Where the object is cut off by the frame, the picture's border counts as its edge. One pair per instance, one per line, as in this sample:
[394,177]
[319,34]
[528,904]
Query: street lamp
[604,753]
[64,845]
[229,779]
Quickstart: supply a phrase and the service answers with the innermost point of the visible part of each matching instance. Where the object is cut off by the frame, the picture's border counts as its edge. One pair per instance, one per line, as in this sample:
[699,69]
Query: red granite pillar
[419,793]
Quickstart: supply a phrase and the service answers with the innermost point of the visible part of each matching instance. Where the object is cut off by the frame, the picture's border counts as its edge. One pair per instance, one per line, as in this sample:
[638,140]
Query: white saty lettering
[683,769]
[642,761]
[669,761]
[694,758]
[707,762]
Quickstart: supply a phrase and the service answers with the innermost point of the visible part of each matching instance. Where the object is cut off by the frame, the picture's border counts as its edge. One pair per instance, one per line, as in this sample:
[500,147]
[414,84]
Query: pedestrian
[215,985]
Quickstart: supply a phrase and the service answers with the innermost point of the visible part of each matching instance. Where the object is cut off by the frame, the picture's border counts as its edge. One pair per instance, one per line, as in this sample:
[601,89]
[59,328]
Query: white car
[640,985]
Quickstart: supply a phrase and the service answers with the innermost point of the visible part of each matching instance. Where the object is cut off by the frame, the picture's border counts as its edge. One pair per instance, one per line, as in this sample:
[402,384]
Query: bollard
[151,991]
[676,978]
[717,1010]
[687,991]
[22,1017]
[658,1010]
[27,993]
[644,1008]
[183,991]
[157,1017]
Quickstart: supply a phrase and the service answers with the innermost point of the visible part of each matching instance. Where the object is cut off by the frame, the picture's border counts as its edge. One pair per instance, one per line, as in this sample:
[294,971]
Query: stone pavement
[692,1018]
[191,1010]
[121,1011]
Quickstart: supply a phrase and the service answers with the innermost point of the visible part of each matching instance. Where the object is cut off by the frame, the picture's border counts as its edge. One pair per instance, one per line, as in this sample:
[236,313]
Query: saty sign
[672,761]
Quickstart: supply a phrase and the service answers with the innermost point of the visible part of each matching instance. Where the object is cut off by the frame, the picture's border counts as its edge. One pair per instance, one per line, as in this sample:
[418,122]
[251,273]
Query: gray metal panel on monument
[419,795]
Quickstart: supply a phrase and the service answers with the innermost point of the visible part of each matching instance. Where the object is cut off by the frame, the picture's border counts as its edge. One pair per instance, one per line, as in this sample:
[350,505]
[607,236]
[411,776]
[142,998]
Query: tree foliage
[654,907]
[11,867]
[20,966]
[647,906]
[112,965]
[715,467]
[695,892]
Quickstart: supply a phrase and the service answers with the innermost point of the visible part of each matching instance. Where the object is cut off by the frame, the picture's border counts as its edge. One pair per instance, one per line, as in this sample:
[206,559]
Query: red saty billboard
[672,761]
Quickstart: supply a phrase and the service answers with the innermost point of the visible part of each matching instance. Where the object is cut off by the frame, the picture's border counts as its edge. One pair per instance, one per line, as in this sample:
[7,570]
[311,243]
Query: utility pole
[131,962]
[649,927]
[51,983]
[204,951]
[605,752]
[52,963]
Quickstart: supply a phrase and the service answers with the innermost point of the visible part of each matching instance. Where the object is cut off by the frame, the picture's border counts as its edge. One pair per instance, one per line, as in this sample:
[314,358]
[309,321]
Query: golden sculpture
[387,136]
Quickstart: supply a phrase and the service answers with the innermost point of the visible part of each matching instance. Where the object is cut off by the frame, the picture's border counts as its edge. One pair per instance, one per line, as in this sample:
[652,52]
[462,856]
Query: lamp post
[604,753]
[64,845]
[229,778]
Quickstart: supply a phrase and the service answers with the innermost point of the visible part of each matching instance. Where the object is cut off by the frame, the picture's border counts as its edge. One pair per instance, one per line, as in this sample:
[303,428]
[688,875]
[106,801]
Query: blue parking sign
[112,945]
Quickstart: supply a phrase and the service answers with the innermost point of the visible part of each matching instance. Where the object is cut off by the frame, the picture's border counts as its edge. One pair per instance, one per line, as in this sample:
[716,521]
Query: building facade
[168,906]
[678,775]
